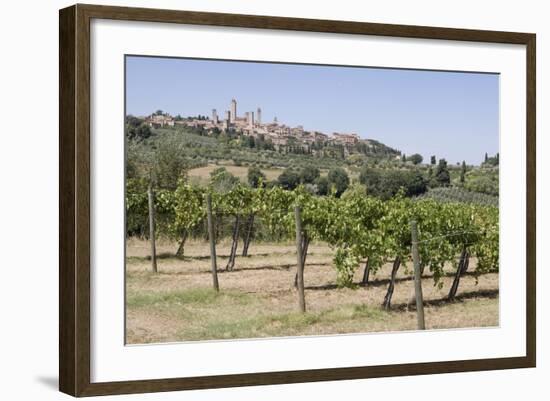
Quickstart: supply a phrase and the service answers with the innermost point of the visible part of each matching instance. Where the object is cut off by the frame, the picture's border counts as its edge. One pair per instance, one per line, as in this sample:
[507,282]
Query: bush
[322,185]
[289,179]
[387,183]
[136,129]
[484,184]
[309,174]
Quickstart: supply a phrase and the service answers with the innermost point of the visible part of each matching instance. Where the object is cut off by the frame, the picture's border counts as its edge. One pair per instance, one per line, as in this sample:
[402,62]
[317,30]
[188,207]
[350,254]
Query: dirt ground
[257,299]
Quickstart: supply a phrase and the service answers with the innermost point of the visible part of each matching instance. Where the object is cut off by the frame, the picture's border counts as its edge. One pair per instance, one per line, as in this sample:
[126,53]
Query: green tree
[309,174]
[251,143]
[255,177]
[160,160]
[136,129]
[463,172]
[386,184]
[432,160]
[416,158]
[491,161]
[338,179]
[289,179]
[442,175]
[322,185]
[415,183]
[371,178]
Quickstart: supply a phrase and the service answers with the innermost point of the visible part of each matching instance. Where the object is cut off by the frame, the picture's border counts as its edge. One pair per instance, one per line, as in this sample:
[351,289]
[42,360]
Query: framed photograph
[250,200]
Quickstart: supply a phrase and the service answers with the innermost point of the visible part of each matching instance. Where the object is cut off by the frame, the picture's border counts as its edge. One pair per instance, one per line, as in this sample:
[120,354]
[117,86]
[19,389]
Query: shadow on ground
[377,282]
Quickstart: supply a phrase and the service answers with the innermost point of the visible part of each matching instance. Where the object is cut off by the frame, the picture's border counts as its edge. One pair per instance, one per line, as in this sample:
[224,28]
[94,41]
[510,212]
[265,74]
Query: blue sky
[451,115]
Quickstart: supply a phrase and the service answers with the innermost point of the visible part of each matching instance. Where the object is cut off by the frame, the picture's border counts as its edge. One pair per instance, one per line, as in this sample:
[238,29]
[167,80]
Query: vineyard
[359,236]
[446,194]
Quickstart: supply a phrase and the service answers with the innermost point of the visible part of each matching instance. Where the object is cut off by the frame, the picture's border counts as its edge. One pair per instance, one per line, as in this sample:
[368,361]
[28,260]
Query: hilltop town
[250,124]
[286,156]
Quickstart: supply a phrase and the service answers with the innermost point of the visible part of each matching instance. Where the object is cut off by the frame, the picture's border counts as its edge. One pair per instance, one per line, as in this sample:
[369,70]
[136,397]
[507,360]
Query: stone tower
[233,110]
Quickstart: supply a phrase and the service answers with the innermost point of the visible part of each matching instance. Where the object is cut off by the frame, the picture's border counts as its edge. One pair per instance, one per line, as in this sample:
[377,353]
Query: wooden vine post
[417,278]
[212,240]
[300,260]
[151,198]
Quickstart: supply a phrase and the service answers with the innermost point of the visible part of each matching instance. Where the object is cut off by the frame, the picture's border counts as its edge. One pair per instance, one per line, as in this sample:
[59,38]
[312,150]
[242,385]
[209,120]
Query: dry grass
[258,300]
[202,174]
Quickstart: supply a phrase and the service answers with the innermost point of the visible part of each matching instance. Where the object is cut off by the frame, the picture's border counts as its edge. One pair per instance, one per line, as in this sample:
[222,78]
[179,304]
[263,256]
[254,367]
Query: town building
[345,139]
[250,124]
[159,120]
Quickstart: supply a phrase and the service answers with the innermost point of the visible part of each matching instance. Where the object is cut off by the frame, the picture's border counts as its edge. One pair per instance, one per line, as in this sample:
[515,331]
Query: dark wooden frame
[74,199]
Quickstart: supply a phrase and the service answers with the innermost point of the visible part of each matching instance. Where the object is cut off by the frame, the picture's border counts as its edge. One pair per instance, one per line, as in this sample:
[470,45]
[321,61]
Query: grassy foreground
[257,299]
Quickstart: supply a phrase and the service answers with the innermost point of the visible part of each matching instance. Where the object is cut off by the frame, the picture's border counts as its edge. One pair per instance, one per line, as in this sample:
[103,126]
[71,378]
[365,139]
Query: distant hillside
[378,148]
[204,148]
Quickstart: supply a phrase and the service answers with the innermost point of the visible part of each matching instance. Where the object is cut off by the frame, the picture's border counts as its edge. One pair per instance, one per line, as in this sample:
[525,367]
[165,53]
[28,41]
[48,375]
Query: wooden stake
[151,197]
[212,242]
[417,278]
[300,260]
